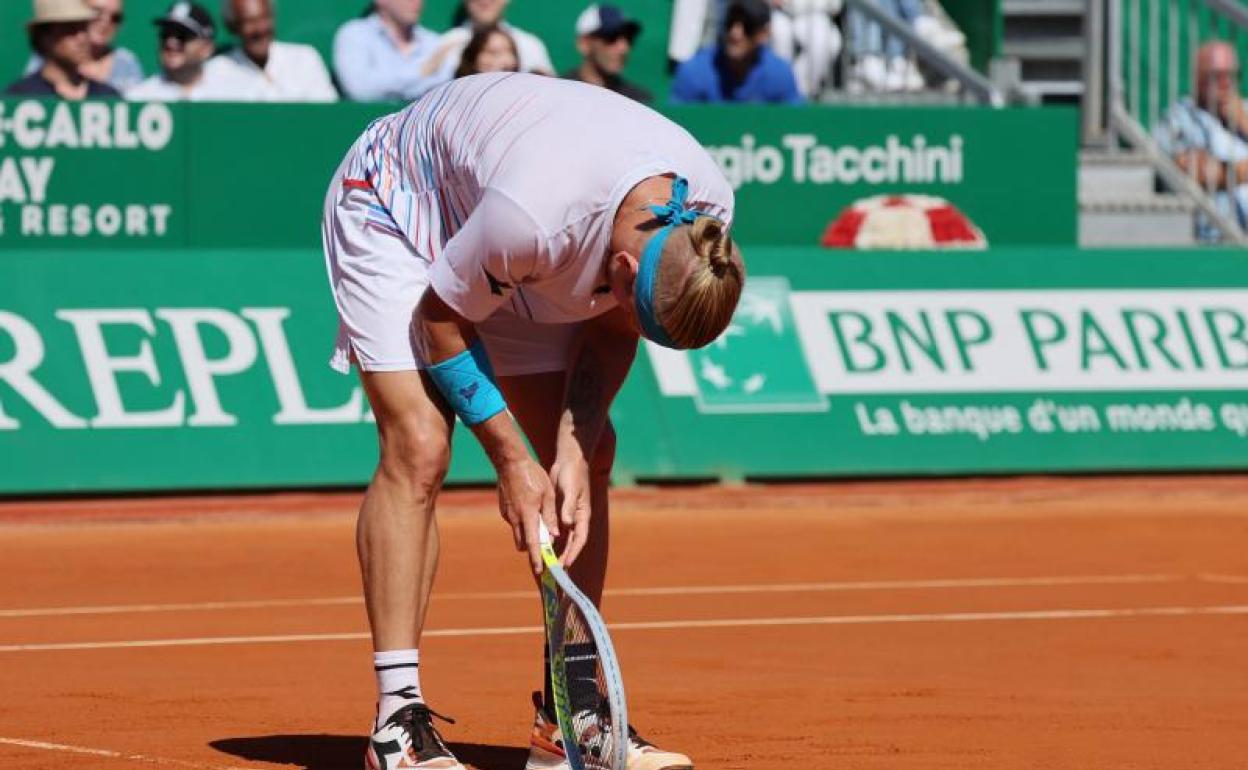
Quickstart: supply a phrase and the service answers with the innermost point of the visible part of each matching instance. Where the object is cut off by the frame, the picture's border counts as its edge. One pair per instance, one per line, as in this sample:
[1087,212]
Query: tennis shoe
[546,747]
[409,741]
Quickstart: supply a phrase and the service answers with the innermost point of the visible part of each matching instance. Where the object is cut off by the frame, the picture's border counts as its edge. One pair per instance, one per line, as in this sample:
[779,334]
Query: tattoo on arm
[585,391]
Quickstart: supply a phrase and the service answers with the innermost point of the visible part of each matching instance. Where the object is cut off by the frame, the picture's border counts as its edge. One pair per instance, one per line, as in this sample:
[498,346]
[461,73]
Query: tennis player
[496,250]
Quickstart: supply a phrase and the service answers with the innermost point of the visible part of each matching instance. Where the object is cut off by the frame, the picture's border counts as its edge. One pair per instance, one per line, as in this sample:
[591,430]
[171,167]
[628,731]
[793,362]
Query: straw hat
[61,11]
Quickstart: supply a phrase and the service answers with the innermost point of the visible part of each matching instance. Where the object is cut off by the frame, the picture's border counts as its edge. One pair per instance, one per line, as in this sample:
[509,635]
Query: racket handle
[543,533]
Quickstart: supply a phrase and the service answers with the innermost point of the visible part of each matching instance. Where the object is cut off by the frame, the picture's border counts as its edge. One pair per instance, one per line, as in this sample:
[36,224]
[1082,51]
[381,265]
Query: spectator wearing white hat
[263,69]
[186,36]
[604,38]
[118,67]
[58,34]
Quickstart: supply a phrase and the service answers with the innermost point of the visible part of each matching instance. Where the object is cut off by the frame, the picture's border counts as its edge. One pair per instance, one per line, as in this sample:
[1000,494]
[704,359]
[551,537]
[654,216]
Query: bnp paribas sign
[129,369]
[983,363]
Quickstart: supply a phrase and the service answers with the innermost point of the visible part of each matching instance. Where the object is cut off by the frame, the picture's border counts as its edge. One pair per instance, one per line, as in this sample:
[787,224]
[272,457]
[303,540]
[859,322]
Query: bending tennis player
[496,250]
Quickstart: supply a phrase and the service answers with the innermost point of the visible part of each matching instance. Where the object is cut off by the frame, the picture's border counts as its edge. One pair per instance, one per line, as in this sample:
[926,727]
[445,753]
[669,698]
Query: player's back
[559,148]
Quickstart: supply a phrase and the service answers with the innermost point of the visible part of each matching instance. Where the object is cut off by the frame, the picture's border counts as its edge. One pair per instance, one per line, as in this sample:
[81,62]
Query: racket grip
[543,533]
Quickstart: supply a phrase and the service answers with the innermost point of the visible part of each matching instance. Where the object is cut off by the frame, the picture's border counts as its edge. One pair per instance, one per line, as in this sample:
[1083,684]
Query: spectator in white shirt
[263,69]
[387,55]
[185,37]
[483,13]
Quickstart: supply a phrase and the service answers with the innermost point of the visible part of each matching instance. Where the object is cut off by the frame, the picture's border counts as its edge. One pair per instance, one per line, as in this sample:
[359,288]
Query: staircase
[1119,204]
[1046,37]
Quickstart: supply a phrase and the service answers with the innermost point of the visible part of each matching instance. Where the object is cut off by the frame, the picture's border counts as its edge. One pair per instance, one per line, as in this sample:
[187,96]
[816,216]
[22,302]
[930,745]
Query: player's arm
[497,249]
[600,360]
[460,369]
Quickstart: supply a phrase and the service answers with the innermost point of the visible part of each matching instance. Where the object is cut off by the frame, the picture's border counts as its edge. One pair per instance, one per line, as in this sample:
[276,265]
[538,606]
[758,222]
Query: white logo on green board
[757,365]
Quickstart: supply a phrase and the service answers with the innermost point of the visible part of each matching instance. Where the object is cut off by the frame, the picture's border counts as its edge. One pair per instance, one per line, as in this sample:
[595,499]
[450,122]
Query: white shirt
[213,86]
[294,73]
[530,48]
[509,183]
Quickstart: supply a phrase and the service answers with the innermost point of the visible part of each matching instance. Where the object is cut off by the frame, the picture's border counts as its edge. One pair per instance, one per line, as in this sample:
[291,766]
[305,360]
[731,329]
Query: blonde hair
[699,282]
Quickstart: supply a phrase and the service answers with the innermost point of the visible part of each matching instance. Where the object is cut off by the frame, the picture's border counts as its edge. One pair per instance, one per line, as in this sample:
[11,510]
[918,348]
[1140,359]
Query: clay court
[1040,623]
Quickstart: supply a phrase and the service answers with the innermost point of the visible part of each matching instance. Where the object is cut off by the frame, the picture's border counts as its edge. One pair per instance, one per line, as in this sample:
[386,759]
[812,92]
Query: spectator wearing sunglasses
[58,35]
[186,37]
[118,67]
[604,37]
[740,67]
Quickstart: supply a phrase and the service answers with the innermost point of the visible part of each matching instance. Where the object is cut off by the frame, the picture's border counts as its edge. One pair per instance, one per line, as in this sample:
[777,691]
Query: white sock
[398,680]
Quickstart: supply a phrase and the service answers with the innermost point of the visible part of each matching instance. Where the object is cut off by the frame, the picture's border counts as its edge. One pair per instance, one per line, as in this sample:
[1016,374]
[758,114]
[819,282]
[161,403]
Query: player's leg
[377,279]
[397,543]
[532,400]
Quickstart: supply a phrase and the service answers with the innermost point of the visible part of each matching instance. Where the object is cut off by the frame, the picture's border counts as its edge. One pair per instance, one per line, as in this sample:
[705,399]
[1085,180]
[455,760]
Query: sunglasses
[112,18]
[174,33]
[614,37]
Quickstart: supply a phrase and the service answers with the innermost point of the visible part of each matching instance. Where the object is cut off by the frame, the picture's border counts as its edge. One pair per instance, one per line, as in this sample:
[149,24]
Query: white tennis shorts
[378,278]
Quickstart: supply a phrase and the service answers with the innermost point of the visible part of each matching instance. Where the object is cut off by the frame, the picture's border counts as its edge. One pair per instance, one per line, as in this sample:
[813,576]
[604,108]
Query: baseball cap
[754,14]
[606,21]
[192,17]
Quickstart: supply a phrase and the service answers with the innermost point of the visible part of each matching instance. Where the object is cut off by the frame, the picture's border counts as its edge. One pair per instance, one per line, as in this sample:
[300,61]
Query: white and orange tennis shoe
[546,747]
[409,741]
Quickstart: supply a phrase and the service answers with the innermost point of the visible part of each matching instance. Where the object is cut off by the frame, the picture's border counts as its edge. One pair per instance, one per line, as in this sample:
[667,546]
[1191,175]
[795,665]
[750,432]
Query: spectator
[740,67]
[185,35]
[263,69]
[118,67]
[387,55]
[604,37]
[882,64]
[58,34]
[802,33]
[490,50]
[1207,136]
[479,13]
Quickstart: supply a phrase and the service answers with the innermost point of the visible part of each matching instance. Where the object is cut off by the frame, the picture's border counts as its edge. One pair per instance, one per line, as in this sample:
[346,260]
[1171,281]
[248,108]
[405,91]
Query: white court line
[1232,579]
[657,625]
[66,749]
[869,585]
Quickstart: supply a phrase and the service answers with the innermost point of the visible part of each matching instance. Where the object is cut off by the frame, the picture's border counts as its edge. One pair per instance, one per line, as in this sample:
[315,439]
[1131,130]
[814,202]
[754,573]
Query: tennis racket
[585,675]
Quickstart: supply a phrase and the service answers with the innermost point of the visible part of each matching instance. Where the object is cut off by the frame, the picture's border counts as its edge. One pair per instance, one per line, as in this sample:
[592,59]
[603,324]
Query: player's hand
[525,495]
[571,479]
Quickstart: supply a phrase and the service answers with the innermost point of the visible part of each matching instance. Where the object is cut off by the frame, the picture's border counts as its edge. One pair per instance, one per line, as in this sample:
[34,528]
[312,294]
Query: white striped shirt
[509,184]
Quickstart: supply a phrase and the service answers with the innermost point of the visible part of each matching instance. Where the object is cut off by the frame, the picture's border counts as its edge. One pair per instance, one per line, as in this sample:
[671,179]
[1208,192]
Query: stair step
[1043,8]
[1157,220]
[1062,48]
[1115,175]
[1044,88]
[1158,203]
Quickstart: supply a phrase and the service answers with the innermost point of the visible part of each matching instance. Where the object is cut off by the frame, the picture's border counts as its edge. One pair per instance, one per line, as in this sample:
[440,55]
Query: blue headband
[673,215]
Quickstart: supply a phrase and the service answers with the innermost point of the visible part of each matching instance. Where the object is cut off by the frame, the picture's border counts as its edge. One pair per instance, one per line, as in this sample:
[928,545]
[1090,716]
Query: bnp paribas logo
[757,365]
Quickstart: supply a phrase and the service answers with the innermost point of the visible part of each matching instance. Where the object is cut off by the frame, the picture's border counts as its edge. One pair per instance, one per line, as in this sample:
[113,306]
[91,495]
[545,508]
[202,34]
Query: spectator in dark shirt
[58,34]
[740,67]
[490,49]
[604,36]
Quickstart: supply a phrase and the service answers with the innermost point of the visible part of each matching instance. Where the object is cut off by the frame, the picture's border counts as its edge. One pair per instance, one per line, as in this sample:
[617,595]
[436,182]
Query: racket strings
[587,691]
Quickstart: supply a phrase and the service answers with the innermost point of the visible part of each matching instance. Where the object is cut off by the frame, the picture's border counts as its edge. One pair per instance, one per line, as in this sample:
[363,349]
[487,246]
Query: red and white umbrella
[903,222]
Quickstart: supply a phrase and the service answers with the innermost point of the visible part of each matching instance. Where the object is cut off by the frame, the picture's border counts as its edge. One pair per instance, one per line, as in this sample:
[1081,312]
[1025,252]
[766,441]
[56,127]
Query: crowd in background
[777,51]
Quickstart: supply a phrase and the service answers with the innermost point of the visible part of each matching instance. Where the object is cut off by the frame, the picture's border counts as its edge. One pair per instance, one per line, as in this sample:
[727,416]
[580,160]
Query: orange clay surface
[1013,623]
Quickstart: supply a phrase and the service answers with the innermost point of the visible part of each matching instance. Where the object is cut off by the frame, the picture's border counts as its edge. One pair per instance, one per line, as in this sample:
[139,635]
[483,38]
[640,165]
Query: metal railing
[973,85]
[694,23]
[1141,61]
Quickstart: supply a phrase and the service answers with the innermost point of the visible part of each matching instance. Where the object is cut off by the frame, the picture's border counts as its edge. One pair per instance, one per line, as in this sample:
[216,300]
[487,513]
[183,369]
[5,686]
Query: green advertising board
[136,370]
[254,176]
